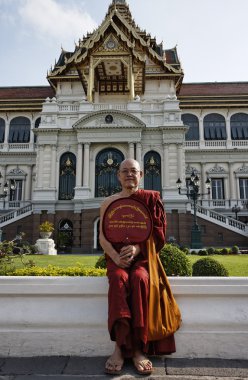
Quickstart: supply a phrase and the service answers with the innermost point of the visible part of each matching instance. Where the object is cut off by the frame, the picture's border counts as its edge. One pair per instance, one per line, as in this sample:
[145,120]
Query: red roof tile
[26,92]
[214,89]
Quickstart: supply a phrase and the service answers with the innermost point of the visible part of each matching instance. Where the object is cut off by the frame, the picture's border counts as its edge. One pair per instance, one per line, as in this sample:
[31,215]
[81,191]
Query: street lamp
[236,210]
[193,194]
[11,185]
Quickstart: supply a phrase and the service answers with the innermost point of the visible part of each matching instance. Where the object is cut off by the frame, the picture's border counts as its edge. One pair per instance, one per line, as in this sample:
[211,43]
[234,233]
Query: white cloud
[52,20]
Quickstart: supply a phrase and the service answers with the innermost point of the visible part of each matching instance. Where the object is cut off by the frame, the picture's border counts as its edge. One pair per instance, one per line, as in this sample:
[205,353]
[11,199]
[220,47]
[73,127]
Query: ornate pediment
[217,169]
[117,37]
[109,119]
[242,170]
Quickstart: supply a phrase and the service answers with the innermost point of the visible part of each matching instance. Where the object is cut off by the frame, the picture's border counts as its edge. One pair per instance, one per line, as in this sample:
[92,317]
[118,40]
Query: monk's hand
[128,253]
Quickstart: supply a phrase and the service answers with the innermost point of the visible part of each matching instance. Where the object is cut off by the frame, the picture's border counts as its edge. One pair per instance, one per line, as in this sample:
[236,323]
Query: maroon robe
[129,290]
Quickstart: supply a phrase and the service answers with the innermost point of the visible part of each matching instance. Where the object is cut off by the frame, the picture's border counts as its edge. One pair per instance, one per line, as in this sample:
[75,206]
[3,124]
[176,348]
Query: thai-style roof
[116,39]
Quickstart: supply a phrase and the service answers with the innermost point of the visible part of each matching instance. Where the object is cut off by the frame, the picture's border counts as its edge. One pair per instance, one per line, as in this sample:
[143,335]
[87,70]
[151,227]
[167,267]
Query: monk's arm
[105,244]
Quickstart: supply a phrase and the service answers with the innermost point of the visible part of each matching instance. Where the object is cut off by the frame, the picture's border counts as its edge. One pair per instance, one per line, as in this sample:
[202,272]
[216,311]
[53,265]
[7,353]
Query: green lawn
[237,265]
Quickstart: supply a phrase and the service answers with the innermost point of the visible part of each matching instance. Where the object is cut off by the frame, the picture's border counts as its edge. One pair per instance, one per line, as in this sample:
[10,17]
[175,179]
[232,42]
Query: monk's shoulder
[108,201]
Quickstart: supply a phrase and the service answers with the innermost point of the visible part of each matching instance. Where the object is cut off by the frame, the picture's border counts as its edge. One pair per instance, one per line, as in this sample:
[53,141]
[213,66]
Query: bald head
[130,163]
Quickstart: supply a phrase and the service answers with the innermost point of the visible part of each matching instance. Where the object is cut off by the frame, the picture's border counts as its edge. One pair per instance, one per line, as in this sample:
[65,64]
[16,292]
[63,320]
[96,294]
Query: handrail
[221,219]
[16,214]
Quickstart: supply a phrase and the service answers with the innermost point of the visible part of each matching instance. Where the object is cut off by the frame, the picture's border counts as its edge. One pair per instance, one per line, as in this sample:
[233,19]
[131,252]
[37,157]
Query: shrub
[210,251]
[235,249]
[202,252]
[51,270]
[209,267]
[175,261]
[193,252]
[224,251]
[101,262]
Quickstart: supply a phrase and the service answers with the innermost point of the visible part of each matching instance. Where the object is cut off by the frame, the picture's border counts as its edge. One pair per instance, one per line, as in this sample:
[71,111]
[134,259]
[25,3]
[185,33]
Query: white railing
[14,215]
[220,219]
[216,144]
[69,108]
[106,106]
[224,203]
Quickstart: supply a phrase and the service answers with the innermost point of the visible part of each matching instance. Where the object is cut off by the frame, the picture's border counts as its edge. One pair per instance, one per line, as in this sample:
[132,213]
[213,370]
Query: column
[131,150]
[39,170]
[53,168]
[228,132]
[28,184]
[3,170]
[131,79]
[138,153]
[166,174]
[6,135]
[86,165]
[203,181]
[180,163]
[232,181]
[79,166]
[201,132]
[31,132]
[90,81]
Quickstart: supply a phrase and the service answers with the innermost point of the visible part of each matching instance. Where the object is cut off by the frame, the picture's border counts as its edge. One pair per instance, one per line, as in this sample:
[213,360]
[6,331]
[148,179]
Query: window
[217,188]
[193,123]
[239,126]
[67,176]
[152,171]
[243,188]
[2,130]
[214,127]
[16,194]
[107,165]
[19,130]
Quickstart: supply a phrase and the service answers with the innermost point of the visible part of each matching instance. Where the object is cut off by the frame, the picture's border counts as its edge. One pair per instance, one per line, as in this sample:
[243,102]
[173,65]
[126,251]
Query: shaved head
[130,162]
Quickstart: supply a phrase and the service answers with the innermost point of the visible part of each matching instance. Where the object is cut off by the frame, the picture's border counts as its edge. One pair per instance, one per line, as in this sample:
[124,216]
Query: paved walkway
[65,367]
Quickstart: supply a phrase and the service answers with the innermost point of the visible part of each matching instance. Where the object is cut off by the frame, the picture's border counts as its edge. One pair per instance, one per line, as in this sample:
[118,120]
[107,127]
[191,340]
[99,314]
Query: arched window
[19,130]
[152,171]
[67,176]
[107,165]
[214,127]
[2,130]
[193,123]
[239,126]
[36,125]
[65,235]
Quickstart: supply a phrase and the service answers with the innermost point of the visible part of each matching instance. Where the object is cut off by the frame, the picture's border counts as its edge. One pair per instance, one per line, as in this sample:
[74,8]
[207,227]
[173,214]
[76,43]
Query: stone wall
[68,316]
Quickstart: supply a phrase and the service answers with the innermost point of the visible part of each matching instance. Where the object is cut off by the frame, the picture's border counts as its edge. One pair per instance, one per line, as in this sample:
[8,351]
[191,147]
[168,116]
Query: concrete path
[65,367]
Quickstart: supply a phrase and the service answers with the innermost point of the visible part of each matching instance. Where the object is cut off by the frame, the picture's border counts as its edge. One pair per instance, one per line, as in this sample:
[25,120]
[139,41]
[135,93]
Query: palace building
[120,95]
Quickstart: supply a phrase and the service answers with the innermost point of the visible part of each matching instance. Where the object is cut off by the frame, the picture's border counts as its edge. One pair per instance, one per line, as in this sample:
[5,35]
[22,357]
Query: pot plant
[46,229]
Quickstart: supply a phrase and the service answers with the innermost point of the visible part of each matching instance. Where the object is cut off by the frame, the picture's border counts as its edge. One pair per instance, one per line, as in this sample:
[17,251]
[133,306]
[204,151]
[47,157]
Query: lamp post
[11,185]
[193,194]
[236,210]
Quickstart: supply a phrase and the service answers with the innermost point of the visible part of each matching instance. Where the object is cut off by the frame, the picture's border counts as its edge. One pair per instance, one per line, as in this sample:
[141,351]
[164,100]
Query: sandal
[114,364]
[142,363]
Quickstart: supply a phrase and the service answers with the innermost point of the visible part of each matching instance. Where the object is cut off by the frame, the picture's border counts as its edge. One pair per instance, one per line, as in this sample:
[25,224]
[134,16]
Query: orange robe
[129,290]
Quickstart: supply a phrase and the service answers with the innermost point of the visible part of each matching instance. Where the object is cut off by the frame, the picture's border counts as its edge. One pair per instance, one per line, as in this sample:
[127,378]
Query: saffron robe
[128,295]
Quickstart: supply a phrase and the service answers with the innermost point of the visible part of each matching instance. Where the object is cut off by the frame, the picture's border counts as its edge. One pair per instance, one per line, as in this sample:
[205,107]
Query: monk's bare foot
[142,365]
[115,362]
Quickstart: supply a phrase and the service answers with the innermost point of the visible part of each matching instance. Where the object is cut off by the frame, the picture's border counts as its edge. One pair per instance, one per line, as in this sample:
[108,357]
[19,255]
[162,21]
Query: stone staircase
[222,220]
[15,215]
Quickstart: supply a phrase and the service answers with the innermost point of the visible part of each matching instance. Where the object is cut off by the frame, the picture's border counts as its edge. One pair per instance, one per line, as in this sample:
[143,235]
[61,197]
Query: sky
[210,35]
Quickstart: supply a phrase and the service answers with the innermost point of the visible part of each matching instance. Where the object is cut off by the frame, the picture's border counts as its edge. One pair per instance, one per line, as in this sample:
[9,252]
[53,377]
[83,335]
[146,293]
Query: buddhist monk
[128,275]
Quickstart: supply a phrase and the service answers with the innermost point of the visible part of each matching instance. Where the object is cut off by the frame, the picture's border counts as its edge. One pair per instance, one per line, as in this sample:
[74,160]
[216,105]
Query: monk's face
[129,174]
